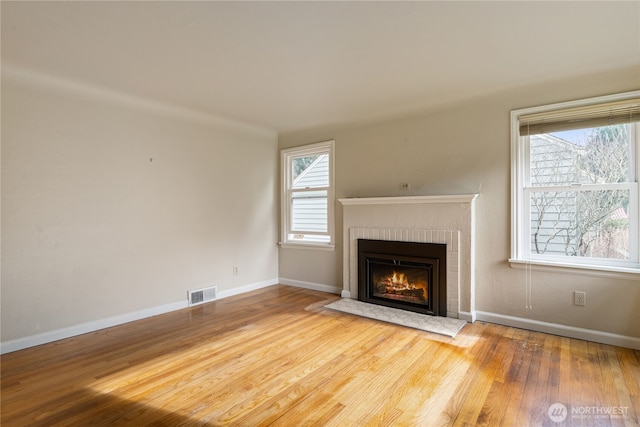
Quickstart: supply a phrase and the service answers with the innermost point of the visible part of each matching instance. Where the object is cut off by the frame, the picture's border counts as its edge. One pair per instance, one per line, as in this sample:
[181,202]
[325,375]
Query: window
[574,184]
[307,195]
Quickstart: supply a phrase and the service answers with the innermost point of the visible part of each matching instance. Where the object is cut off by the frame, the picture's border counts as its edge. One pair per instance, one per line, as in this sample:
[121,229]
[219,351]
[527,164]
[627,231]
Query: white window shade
[588,116]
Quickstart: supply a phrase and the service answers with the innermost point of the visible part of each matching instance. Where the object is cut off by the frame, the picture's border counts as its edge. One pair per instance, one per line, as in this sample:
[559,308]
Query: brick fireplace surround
[445,219]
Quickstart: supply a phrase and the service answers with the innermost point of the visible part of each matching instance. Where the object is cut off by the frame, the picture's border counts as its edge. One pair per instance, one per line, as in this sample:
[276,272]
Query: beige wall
[465,149]
[92,228]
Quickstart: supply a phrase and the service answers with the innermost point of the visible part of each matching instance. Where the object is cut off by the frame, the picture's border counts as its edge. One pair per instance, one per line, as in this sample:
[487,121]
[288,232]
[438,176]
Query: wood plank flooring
[277,357]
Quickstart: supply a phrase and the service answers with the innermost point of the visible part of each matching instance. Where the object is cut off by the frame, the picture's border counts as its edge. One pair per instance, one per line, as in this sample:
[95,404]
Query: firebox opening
[400,280]
[403,275]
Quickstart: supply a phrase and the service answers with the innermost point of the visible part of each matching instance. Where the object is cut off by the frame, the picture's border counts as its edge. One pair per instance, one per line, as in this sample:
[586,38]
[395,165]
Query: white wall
[465,149]
[112,205]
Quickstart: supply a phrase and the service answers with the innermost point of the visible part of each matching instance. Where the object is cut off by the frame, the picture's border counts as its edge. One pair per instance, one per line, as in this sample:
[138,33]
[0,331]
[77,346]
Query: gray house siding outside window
[553,162]
[309,208]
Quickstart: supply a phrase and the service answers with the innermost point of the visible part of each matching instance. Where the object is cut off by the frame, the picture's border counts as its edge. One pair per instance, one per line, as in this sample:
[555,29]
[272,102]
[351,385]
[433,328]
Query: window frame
[287,191]
[521,256]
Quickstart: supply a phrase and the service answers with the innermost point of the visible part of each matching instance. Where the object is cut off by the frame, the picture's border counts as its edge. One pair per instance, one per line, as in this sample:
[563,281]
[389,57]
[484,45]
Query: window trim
[325,147]
[520,258]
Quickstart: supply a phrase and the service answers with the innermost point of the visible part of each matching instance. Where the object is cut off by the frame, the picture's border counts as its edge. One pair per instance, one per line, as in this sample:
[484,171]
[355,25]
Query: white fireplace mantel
[448,198]
[448,219]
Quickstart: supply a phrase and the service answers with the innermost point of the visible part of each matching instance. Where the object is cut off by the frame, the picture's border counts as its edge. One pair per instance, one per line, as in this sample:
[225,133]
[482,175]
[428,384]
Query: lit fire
[398,279]
[398,284]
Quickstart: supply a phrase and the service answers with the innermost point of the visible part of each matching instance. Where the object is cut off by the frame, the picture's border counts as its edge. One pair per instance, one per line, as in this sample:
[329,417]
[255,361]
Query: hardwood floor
[277,357]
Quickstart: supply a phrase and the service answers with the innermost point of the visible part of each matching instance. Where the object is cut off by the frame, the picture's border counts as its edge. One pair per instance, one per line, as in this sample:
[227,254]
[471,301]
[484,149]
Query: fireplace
[405,275]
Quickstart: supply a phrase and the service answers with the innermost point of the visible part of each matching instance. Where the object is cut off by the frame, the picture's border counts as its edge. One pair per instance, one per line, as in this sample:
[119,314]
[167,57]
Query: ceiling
[294,65]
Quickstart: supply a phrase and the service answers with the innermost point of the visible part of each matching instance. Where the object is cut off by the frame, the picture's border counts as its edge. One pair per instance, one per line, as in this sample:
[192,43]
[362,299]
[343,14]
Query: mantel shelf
[451,198]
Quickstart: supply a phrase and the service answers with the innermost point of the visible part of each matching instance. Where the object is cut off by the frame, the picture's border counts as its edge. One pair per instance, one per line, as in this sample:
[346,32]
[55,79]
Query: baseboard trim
[247,288]
[310,285]
[468,316]
[562,330]
[501,319]
[83,328]
[72,331]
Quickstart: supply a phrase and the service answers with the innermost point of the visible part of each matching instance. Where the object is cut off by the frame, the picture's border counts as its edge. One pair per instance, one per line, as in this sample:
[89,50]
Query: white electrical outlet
[236,271]
[404,186]
[579,298]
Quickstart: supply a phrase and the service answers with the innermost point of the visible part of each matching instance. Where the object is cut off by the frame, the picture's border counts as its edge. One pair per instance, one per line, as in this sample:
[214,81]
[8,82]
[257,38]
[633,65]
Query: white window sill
[307,246]
[628,273]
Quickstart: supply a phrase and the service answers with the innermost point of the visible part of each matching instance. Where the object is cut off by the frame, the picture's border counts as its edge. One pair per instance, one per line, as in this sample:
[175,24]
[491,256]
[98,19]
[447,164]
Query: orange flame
[399,279]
